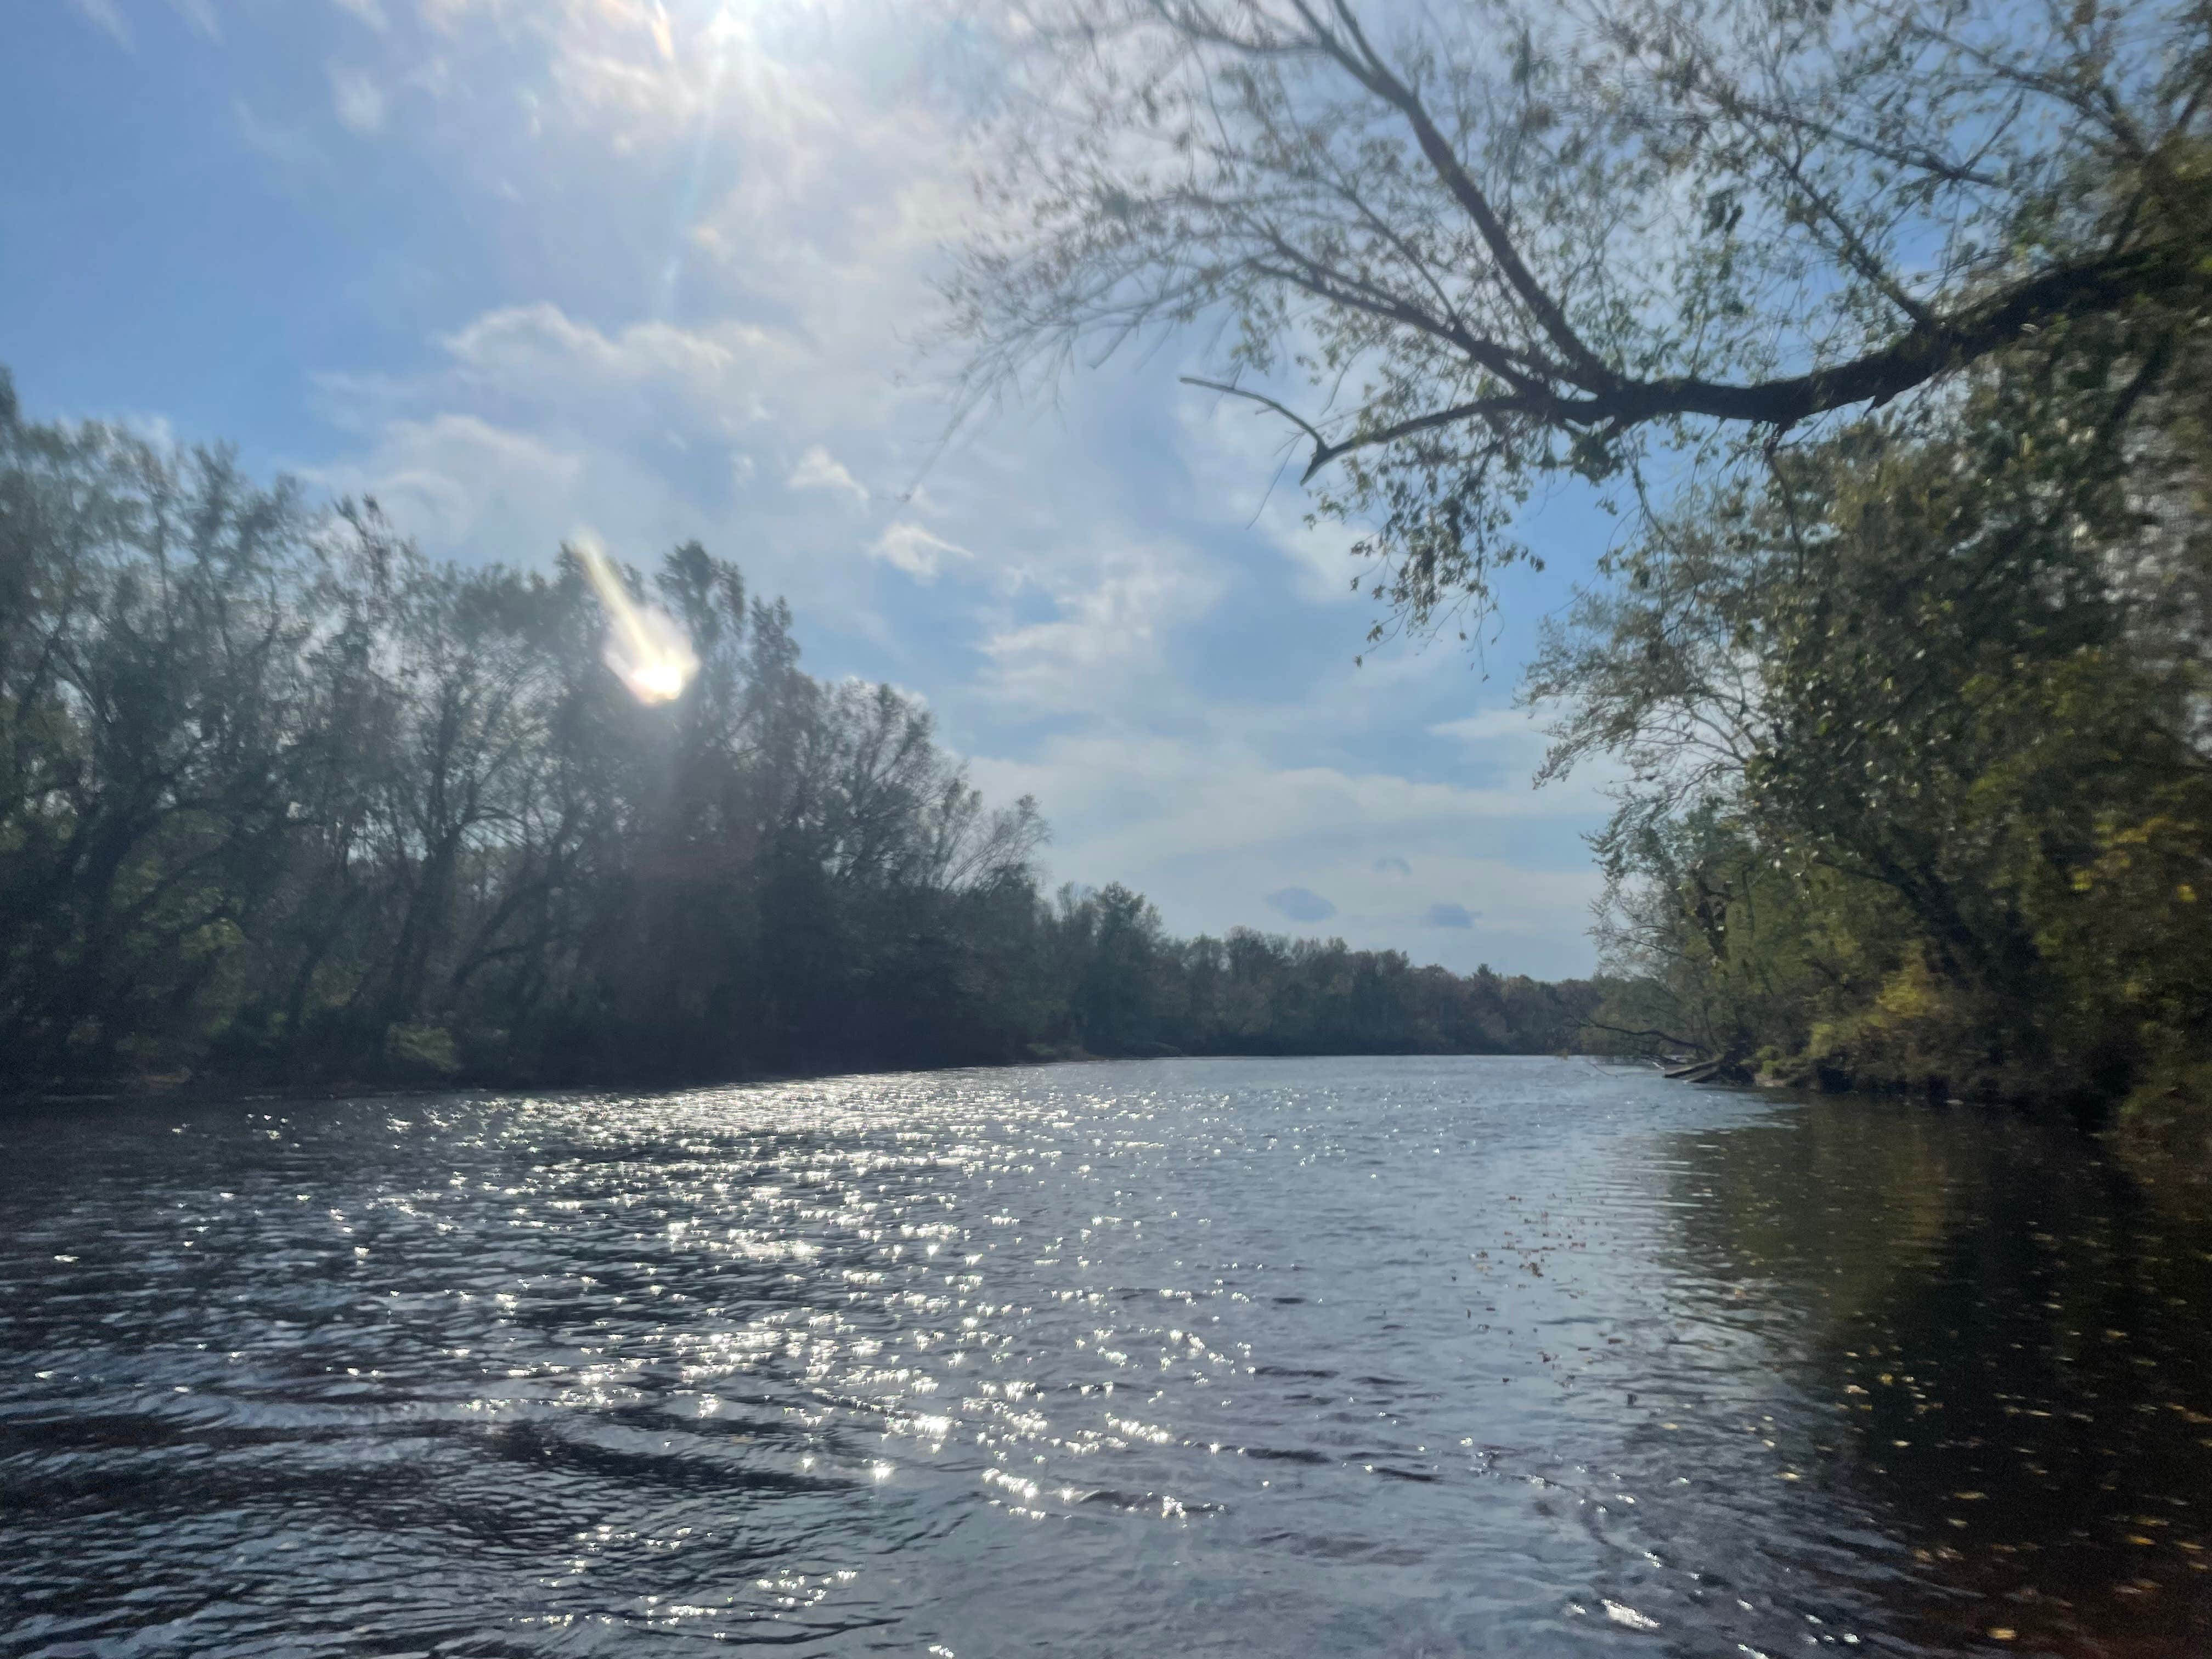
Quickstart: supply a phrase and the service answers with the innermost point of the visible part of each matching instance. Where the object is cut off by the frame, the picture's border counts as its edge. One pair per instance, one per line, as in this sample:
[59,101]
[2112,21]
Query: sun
[646,649]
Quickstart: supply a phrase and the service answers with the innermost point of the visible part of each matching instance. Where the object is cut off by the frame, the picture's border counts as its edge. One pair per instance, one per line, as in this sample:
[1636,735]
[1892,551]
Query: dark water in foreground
[1347,1357]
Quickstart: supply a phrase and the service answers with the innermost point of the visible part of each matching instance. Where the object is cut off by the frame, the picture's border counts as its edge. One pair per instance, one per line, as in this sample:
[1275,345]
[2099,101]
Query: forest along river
[1397,1356]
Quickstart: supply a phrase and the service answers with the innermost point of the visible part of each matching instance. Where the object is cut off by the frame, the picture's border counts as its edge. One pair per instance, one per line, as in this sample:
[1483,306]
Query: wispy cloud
[103,16]
[1493,725]
[201,15]
[292,157]
[1206,822]
[917,551]
[357,101]
[818,469]
[1105,648]
[369,12]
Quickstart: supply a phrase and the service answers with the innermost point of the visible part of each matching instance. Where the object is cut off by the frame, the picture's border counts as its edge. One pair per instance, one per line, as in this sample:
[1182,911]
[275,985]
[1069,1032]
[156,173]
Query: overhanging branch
[2090,287]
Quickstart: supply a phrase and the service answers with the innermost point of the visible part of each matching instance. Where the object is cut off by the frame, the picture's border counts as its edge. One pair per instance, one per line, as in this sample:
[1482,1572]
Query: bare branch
[1366,65]
[1321,443]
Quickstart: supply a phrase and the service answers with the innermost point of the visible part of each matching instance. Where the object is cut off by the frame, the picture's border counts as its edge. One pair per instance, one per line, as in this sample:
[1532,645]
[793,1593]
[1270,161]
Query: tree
[1921,744]
[1513,239]
[283,801]
[149,687]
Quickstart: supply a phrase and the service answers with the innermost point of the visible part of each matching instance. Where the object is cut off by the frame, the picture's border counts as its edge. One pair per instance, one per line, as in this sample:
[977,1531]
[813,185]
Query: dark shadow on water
[2010,1338]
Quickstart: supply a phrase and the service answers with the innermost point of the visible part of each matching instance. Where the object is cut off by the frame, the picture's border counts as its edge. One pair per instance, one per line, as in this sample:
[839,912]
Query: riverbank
[2159,1132]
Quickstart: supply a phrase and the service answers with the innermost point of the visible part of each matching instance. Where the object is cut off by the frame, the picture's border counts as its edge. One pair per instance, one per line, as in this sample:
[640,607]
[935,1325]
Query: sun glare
[645,648]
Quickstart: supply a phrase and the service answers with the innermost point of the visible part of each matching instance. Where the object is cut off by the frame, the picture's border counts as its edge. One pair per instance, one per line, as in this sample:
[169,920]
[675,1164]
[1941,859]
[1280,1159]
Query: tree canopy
[1919,725]
[1512,239]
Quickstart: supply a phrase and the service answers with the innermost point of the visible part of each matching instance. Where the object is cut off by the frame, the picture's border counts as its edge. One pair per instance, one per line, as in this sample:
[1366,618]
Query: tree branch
[1352,51]
[2087,287]
[1663,1037]
[1321,443]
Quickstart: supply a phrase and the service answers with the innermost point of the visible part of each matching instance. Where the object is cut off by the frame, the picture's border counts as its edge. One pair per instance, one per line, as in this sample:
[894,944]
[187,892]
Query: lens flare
[645,648]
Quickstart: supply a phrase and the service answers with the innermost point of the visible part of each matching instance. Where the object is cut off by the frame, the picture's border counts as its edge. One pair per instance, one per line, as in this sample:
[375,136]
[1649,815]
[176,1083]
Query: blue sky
[661,269]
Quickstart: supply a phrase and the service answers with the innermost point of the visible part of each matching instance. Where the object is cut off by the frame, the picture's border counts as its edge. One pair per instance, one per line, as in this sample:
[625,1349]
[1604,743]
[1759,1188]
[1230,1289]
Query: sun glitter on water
[646,648]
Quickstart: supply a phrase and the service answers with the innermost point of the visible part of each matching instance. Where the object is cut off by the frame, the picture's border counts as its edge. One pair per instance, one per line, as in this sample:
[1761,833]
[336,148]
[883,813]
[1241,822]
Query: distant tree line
[281,801]
[1127,988]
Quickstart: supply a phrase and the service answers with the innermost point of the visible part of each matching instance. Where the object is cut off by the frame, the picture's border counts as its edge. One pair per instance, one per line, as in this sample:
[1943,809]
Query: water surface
[1392,1357]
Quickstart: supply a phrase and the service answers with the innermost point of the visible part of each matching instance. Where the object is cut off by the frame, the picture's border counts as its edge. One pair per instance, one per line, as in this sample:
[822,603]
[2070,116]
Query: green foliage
[420,1052]
[1922,739]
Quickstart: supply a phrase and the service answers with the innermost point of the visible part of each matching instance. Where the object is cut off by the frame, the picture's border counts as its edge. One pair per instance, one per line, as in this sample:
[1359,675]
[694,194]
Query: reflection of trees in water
[2013,1339]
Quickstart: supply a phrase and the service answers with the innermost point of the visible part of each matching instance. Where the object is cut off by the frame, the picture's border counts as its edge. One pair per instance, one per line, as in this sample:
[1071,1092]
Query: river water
[1372,1356]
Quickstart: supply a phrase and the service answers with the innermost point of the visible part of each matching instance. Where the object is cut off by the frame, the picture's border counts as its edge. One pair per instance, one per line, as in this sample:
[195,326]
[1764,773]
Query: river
[1362,1357]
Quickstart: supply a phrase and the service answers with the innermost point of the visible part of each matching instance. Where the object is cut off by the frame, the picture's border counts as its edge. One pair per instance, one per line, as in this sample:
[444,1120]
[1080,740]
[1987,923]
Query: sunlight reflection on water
[1398,1356]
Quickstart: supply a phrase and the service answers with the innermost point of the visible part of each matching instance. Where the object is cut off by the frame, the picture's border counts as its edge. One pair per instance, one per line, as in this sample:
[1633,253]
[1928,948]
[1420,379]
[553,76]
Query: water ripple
[1395,1357]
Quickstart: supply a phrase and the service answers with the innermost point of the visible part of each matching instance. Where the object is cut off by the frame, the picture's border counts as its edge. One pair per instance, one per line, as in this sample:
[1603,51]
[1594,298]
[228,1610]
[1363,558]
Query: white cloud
[452,476]
[1210,828]
[357,100]
[1247,461]
[1104,649]
[103,16]
[292,157]
[1093,656]
[713,382]
[908,547]
[368,11]
[537,351]
[1223,790]
[818,469]
[1513,725]
[471,488]
[201,15]
[535,421]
